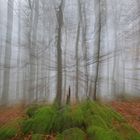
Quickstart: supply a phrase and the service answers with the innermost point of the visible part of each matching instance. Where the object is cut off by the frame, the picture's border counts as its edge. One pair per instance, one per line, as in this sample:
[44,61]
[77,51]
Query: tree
[98,47]
[32,33]
[19,51]
[34,43]
[8,48]
[59,15]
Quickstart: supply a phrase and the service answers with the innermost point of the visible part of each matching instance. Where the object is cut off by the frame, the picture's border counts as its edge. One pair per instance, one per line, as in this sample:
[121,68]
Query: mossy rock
[62,120]
[99,133]
[32,110]
[41,122]
[98,121]
[7,133]
[27,125]
[72,134]
[37,137]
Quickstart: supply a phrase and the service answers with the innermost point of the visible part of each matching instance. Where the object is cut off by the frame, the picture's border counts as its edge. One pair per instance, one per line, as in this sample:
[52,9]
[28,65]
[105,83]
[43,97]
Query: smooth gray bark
[98,51]
[19,52]
[59,15]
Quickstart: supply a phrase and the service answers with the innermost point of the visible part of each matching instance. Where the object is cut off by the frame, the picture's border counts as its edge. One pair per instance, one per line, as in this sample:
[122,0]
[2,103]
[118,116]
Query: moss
[49,119]
[62,120]
[31,110]
[37,137]
[41,122]
[77,115]
[135,137]
[99,121]
[72,134]
[128,132]
[99,133]
[7,133]
[26,126]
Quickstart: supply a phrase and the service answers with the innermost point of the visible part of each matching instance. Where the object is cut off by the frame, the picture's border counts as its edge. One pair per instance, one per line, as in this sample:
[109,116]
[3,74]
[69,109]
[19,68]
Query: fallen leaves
[130,110]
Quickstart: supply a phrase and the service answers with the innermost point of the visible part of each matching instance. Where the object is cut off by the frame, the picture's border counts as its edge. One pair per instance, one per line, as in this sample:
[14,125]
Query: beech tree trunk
[7,60]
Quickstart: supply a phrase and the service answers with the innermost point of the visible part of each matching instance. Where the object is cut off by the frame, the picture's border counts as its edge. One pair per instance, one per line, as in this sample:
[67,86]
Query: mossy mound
[7,133]
[37,137]
[40,122]
[72,134]
[99,133]
[98,121]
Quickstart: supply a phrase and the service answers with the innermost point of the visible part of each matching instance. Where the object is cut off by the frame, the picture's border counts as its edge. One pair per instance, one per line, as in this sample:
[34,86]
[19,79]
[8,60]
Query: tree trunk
[59,55]
[7,61]
[19,52]
[98,51]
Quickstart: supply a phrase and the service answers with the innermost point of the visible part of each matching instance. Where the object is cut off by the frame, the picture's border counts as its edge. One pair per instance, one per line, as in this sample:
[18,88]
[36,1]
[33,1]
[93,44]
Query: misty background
[47,47]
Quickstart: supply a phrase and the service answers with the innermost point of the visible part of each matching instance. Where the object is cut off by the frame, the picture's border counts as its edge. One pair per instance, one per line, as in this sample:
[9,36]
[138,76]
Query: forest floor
[129,109]
[11,113]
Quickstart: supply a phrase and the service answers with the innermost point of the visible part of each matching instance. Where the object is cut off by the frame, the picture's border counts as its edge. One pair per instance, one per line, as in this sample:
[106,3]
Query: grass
[84,121]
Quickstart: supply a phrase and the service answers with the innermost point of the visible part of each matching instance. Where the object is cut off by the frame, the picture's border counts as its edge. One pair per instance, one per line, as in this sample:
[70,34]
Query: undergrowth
[84,121]
[7,132]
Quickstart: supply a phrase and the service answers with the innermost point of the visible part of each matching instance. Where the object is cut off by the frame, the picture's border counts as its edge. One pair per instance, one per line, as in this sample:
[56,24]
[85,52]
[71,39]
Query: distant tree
[8,48]
[59,15]
[98,47]
[19,51]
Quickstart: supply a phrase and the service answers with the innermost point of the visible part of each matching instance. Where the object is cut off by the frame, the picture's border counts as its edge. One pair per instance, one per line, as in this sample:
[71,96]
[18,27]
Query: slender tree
[97,49]
[8,48]
[19,51]
[34,44]
[59,15]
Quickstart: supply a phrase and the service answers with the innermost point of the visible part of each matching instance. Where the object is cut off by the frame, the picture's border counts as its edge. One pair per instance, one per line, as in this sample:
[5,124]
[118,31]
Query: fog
[49,48]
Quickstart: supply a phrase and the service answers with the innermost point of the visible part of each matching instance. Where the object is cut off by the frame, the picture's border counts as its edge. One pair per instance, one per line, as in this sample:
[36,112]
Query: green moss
[99,121]
[72,134]
[7,132]
[37,137]
[77,115]
[99,133]
[62,120]
[60,137]
[128,132]
[50,119]
[135,137]
[31,110]
[27,125]
[41,122]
